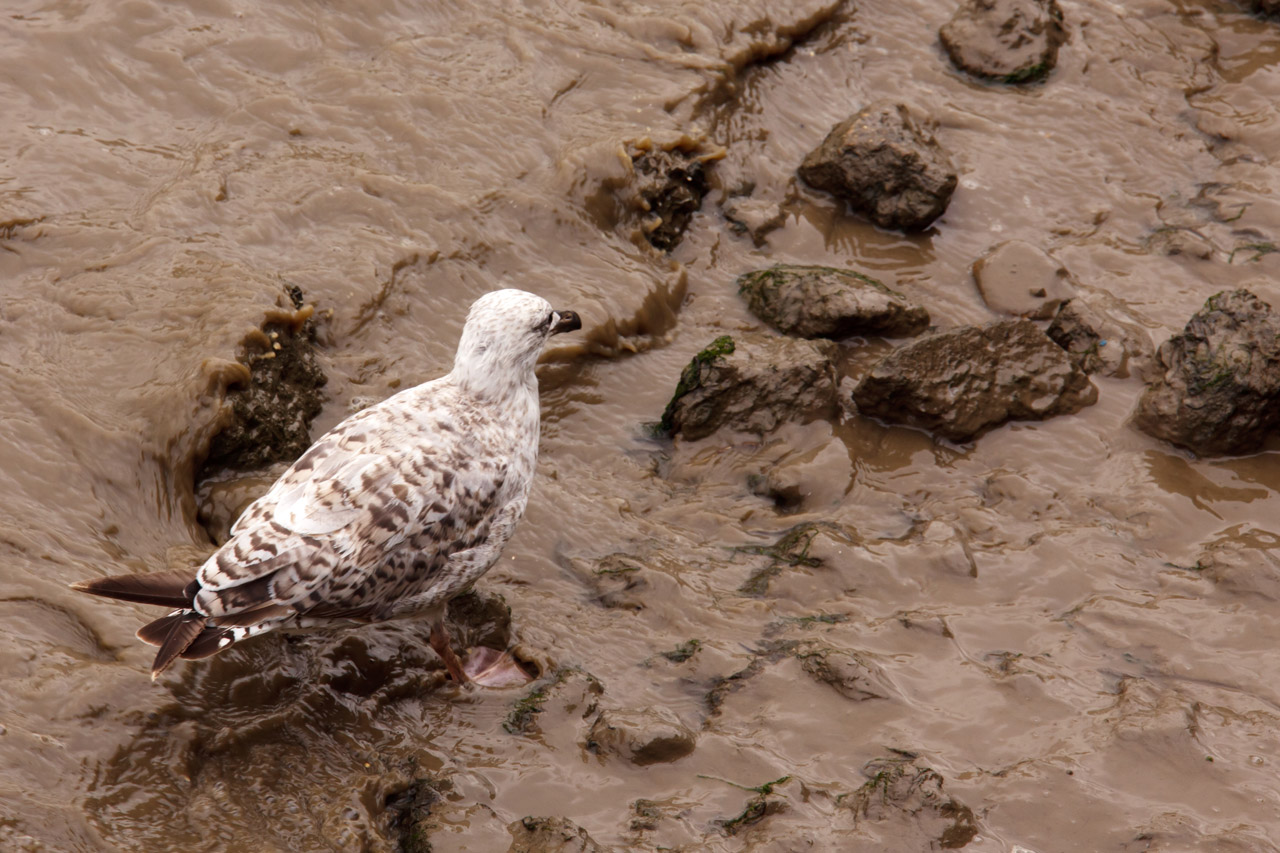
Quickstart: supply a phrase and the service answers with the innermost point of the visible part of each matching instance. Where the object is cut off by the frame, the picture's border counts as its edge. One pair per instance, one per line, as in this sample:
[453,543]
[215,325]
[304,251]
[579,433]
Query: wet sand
[1071,623]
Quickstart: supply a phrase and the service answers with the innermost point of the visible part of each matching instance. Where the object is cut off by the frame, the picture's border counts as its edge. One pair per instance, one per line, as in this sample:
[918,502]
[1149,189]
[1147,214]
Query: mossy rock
[752,383]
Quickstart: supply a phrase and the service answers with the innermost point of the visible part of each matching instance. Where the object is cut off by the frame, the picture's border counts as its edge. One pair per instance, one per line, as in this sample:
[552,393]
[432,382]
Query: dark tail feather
[156,632]
[167,589]
[209,643]
[185,629]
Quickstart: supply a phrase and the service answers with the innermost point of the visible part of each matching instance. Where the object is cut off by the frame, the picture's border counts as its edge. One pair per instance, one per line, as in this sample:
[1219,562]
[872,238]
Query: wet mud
[826,632]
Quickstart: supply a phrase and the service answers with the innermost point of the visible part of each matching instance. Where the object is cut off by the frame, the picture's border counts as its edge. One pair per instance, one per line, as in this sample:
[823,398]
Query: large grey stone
[884,165]
[963,382]
[824,302]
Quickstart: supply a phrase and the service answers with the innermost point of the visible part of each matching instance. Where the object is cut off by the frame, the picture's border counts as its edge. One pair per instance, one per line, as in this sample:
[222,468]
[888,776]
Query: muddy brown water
[1036,610]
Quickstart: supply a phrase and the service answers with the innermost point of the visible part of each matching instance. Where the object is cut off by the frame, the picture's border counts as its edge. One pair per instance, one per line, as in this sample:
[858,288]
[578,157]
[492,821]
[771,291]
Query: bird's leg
[440,642]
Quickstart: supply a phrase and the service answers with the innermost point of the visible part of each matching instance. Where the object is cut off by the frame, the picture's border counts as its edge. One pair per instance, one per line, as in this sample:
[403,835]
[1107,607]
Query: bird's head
[505,333]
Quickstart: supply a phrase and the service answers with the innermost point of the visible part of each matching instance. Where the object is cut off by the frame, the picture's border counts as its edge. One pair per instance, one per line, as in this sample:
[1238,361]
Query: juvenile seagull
[391,513]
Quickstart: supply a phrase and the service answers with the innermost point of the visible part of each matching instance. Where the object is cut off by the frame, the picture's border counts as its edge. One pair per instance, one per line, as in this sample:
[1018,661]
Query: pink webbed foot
[492,668]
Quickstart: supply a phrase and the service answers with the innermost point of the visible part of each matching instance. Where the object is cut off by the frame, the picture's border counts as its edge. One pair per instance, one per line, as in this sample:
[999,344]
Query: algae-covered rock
[752,383]
[884,165]
[1219,392]
[963,382]
[550,835]
[671,185]
[1018,278]
[271,413]
[1093,331]
[824,302]
[645,736]
[1011,41]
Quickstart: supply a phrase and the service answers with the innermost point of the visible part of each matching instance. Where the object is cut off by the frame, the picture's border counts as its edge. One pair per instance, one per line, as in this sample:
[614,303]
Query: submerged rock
[824,302]
[1219,392]
[619,582]
[960,383]
[883,164]
[845,672]
[799,546]
[752,383]
[754,217]
[903,802]
[1017,278]
[1012,41]
[550,835]
[1090,330]
[1179,241]
[271,412]
[671,185]
[411,812]
[565,694]
[755,809]
[647,736]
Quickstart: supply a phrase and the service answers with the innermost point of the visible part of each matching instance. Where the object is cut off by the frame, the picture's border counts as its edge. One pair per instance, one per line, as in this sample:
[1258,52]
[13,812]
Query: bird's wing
[341,510]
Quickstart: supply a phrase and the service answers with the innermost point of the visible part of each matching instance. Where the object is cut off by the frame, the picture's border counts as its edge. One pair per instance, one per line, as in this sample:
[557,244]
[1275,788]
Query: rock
[647,814]
[883,164]
[963,382]
[479,617]
[271,413]
[1089,329]
[1012,41]
[799,546]
[845,672]
[755,809]
[565,694]
[1017,278]
[903,803]
[752,383]
[1241,567]
[221,499]
[1219,392]
[755,217]
[619,582]
[1264,7]
[649,736]
[682,652]
[1179,241]
[810,478]
[823,302]
[550,835]
[411,814]
[671,185]
[790,551]
[391,661]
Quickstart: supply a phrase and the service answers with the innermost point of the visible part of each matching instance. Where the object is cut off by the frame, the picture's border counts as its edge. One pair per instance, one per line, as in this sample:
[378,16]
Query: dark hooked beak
[566,321]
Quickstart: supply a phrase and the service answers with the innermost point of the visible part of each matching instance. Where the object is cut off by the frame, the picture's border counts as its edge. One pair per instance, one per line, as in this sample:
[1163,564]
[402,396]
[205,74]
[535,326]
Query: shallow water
[1033,610]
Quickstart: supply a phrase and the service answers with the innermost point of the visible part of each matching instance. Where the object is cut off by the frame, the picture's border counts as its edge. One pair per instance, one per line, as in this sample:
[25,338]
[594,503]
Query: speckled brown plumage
[391,513]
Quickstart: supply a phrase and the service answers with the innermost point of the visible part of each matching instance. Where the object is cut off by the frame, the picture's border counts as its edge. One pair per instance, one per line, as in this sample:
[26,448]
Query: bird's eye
[546,322]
